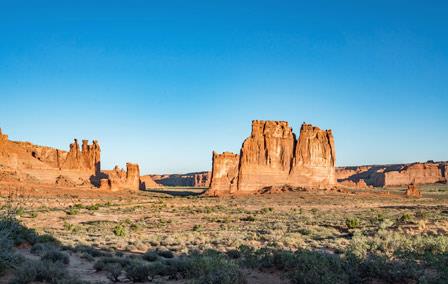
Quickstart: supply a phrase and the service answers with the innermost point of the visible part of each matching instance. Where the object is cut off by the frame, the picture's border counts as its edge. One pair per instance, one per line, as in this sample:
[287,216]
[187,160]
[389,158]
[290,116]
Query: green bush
[353,223]
[165,253]
[315,267]
[150,256]
[41,248]
[104,261]
[197,227]
[119,231]
[248,219]
[113,271]
[43,271]
[56,256]
[138,271]
[72,211]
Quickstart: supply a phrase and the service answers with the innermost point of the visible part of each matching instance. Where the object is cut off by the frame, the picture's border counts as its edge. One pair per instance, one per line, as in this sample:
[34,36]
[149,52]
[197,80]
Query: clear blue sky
[165,84]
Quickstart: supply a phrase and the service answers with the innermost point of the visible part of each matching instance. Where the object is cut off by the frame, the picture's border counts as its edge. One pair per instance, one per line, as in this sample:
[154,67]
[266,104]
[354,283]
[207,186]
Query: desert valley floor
[250,239]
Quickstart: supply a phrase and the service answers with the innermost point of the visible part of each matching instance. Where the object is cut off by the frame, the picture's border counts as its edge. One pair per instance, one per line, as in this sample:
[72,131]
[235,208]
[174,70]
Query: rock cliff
[119,179]
[224,178]
[195,179]
[41,164]
[394,175]
[272,156]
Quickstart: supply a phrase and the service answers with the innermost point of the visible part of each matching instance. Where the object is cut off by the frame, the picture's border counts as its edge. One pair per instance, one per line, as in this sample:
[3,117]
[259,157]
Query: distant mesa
[194,179]
[394,175]
[272,156]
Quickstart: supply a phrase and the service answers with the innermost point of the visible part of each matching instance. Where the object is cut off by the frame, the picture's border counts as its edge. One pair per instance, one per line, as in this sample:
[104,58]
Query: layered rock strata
[119,179]
[195,179]
[394,175]
[272,156]
[43,164]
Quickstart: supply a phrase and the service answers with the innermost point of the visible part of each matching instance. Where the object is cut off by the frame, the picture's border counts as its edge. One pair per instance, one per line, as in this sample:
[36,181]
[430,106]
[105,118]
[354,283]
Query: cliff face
[224,178]
[266,156]
[394,175]
[272,156]
[418,173]
[314,159]
[45,164]
[196,179]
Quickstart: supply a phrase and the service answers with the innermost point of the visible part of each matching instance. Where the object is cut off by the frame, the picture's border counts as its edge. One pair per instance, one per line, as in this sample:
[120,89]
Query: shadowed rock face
[195,179]
[272,156]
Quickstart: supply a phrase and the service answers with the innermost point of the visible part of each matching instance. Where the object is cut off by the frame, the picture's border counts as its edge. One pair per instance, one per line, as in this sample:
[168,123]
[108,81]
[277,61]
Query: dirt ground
[181,220]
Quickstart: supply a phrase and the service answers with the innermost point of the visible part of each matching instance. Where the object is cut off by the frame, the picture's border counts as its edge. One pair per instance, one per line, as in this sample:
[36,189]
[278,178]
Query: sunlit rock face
[224,178]
[272,156]
[46,165]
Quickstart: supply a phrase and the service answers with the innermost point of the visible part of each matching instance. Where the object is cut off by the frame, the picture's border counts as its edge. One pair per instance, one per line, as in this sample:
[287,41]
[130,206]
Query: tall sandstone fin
[314,159]
[224,173]
[272,156]
[266,155]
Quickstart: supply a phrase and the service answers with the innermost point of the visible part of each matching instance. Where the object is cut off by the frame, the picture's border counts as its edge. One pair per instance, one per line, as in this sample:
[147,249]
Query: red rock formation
[412,191]
[224,178]
[105,184]
[271,156]
[45,164]
[201,179]
[133,176]
[418,173]
[119,179]
[395,175]
[314,159]
[266,156]
[195,179]
[361,184]
[148,182]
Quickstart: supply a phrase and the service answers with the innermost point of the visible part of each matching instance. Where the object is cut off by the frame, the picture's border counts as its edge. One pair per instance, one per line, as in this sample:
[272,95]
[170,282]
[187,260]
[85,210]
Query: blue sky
[163,83]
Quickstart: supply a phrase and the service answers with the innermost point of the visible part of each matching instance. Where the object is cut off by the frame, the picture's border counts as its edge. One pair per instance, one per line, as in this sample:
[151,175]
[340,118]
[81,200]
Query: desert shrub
[72,211]
[406,217]
[352,223]
[20,211]
[197,227]
[316,267]
[41,248]
[138,271]
[17,232]
[102,262]
[56,256]
[213,269]
[88,250]
[7,257]
[233,254]
[165,253]
[119,231]
[93,207]
[46,238]
[43,271]
[389,271]
[113,271]
[248,218]
[150,256]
